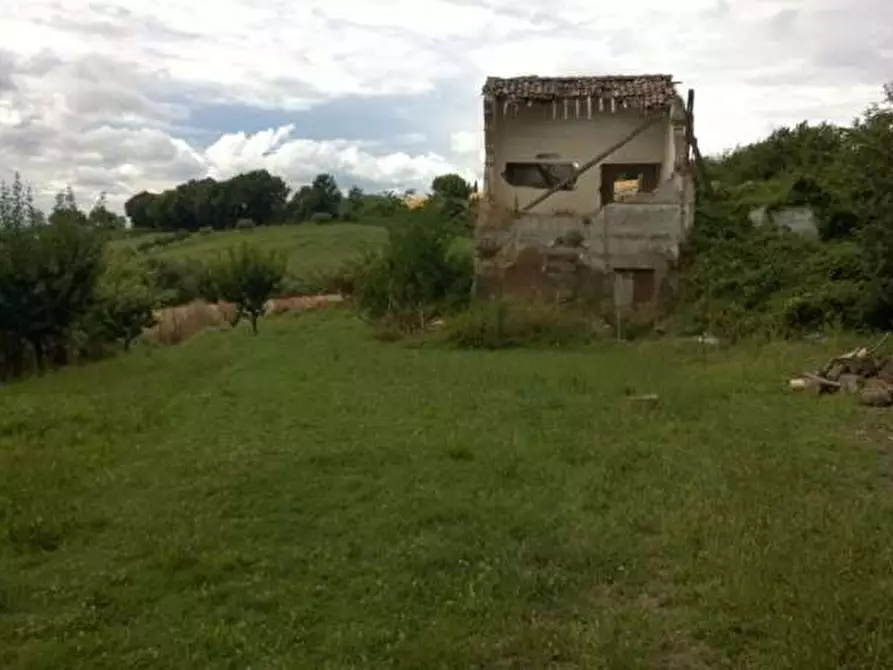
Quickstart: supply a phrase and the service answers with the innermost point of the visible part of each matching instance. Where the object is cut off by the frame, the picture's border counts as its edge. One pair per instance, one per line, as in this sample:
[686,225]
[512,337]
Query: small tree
[322,196]
[417,275]
[450,194]
[124,303]
[101,217]
[451,186]
[65,209]
[247,277]
[48,277]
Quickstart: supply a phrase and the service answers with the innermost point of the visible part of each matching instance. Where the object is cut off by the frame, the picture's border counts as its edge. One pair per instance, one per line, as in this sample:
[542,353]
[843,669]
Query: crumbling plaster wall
[569,245]
[534,131]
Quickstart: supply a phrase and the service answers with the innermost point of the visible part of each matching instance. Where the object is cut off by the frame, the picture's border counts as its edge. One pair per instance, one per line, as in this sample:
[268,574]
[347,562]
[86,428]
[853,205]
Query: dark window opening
[622,181]
[637,286]
[540,175]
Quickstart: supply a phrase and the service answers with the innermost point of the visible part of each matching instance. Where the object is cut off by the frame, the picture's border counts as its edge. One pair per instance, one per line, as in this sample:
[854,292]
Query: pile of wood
[863,372]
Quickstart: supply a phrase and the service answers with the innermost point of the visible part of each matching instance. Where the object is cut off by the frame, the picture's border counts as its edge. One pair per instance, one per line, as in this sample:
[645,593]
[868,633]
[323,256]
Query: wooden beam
[689,123]
[593,162]
[692,142]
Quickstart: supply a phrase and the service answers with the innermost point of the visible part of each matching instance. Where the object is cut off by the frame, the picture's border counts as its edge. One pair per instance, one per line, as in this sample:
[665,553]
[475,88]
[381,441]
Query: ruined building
[587,188]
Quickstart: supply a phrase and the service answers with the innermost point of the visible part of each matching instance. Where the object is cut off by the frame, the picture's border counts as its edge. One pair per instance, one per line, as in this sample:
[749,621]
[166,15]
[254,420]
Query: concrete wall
[797,219]
[532,257]
[534,131]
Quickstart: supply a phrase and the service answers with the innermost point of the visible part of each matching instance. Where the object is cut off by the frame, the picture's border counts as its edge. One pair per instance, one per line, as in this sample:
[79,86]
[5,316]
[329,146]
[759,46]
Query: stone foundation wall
[625,253]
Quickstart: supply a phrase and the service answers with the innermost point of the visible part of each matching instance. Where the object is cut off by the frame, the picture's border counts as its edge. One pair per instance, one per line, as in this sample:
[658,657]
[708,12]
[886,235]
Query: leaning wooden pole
[592,163]
[701,168]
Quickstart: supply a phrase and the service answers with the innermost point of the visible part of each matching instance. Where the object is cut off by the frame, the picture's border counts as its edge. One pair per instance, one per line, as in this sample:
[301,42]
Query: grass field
[310,247]
[314,498]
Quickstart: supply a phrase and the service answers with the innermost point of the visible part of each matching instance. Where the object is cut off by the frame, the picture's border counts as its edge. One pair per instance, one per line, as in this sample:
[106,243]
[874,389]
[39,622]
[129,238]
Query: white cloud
[466,142]
[100,93]
[300,159]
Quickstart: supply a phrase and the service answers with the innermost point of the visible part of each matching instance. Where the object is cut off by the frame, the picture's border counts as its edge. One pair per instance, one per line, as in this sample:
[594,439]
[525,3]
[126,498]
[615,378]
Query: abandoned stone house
[587,188]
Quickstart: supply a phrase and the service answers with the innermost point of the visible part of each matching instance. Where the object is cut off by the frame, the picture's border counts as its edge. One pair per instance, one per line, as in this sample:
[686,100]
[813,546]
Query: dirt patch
[177,324]
[301,303]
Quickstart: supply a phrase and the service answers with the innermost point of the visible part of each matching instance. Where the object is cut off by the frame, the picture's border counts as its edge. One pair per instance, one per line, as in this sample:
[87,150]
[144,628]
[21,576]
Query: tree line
[258,198]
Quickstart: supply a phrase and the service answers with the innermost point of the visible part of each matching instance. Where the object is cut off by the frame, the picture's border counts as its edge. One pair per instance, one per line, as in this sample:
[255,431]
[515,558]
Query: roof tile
[647,91]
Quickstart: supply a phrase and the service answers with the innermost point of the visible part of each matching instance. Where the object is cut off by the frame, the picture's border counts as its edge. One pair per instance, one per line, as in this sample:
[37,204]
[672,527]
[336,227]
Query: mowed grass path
[313,498]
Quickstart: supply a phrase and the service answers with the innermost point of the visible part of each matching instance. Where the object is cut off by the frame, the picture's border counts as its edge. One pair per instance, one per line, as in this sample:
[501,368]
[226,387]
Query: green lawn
[310,247]
[314,498]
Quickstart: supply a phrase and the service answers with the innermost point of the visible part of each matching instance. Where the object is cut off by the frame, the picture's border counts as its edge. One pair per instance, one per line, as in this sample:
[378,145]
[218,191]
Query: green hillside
[310,247]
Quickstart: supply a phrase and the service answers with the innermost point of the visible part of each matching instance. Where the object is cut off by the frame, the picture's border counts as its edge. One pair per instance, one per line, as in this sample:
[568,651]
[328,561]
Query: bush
[48,277]
[501,324]
[416,276]
[124,304]
[739,280]
[178,281]
[248,277]
[345,279]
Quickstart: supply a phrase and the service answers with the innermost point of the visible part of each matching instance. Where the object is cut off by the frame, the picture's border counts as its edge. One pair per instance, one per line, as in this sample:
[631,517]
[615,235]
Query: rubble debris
[708,339]
[863,372]
[876,394]
[645,397]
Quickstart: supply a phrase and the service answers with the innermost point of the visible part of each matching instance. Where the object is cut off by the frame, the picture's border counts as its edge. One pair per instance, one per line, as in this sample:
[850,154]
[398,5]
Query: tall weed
[502,324]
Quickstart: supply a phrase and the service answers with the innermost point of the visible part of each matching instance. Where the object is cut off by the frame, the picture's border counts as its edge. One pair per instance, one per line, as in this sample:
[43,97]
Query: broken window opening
[634,287]
[623,181]
[542,175]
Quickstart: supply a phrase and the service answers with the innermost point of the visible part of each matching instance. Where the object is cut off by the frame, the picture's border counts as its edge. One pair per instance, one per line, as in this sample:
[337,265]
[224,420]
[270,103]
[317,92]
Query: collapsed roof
[646,92]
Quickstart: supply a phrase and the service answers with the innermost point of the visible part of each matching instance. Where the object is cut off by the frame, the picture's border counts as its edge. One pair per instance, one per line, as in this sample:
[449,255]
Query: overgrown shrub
[178,281]
[740,280]
[344,279]
[417,275]
[48,276]
[501,324]
[124,303]
[247,277]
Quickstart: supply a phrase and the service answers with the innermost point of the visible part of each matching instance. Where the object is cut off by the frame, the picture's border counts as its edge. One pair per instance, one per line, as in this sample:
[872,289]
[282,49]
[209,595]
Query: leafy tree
[17,208]
[257,195]
[247,277]
[870,186]
[450,196]
[124,302]
[451,187]
[48,276]
[137,210]
[328,194]
[354,204]
[65,209]
[208,203]
[101,217]
[320,197]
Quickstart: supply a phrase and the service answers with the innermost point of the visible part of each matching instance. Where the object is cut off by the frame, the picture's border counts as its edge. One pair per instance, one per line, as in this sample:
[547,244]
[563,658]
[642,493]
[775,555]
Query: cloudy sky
[125,95]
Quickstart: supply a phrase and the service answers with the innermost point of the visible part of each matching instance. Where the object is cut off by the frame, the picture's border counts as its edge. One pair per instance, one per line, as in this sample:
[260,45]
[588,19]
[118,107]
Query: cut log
[825,383]
[797,384]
